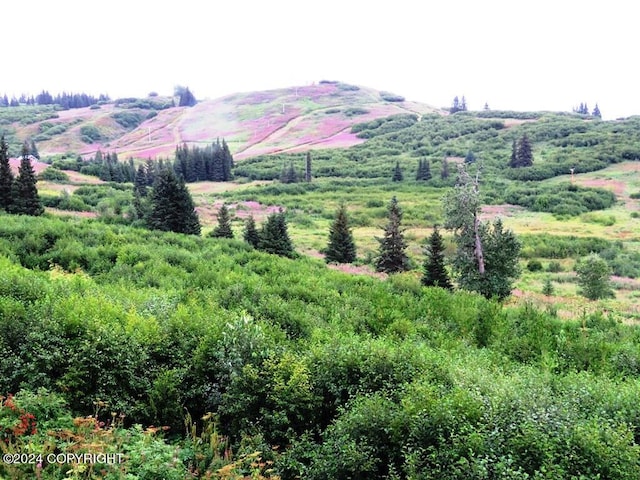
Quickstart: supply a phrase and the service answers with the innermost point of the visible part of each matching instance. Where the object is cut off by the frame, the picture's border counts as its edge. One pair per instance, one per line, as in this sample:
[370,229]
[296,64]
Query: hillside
[282,120]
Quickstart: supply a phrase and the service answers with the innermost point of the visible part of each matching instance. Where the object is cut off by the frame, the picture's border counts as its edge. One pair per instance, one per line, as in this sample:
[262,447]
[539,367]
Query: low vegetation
[237,349]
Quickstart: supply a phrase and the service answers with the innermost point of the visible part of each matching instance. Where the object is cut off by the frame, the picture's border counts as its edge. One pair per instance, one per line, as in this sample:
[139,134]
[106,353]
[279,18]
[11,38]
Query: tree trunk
[478,248]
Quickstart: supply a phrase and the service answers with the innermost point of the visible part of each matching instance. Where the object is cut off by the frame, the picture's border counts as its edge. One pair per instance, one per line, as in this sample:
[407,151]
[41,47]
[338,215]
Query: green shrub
[128,120]
[554,267]
[53,174]
[534,265]
[90,134]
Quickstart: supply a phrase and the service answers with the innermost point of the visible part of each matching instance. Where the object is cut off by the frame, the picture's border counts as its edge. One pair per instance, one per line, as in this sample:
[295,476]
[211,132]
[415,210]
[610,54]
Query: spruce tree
[341,247]
[524,153]
[26,200]
[223,229]
[274,236]
[140,181]
[470,157]
[289,174]
[596,111]
[187,99]
[250,233]
[435,272]
[513,161]
[307,171]
[33,150]
[391,254]
[444,173]
[6,177]
[397,173]
[172,208]
[424,170]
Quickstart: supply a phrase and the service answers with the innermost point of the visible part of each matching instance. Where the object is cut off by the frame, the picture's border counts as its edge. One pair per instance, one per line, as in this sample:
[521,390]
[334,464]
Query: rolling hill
[282,120]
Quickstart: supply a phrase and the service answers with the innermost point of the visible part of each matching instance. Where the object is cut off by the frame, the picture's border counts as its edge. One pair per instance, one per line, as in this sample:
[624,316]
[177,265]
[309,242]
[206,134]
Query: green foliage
[521,155]
[172,208]
[392,257]
[90,134]
[594,277]
[435,272]
[534,265]
[53,175]
[25,198]
[486,259]
[128,120]
[391,97]
[561,199]
[250,233]
[341,247]
[223,229]
[6,177]
[397,173]
[274,236]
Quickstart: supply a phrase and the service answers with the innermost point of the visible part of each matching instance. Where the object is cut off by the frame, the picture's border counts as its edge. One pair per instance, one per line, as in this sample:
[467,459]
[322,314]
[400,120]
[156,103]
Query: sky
[515,55]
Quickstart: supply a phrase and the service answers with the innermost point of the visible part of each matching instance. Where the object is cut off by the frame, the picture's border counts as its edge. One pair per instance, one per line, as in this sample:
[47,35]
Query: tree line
[65,100]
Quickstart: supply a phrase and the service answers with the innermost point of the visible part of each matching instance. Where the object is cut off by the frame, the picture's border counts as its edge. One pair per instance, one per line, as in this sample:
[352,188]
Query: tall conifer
[26,200]
[435,272]
[274,236]
[6,177]
[341,247]
[250,233]
[391,254]
[223,229]
[172,208]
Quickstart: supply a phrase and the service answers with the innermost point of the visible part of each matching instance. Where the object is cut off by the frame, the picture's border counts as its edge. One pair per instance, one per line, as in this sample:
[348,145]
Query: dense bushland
[350,376]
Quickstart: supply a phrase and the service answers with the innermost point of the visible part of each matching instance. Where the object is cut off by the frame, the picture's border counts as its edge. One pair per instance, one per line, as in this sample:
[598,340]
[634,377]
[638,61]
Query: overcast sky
[520,55]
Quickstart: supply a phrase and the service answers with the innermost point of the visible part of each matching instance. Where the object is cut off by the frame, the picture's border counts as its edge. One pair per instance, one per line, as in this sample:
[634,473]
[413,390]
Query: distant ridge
[289,119]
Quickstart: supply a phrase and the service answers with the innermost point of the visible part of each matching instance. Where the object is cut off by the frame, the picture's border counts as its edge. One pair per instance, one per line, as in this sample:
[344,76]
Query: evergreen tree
[547,288]
[424,170]
[397,173]
[596,112]
[524,154]
[513,161]
[391,254]
[33,150]
[486,107]
[463,104]
[444,172]
[435,272]
[227,162]
[223,229]
[6,177]
[250,233]
[521,153]
[172,208]
[140,181]
[289,174]
[341,247]
[470,157]
[307,171]
[455,106]
[140,202]
[26,200]
[486,259]
[274,236]
[187,99]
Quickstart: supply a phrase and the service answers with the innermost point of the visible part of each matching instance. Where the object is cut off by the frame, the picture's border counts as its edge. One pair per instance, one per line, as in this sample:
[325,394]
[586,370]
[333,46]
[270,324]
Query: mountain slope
[253,123]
